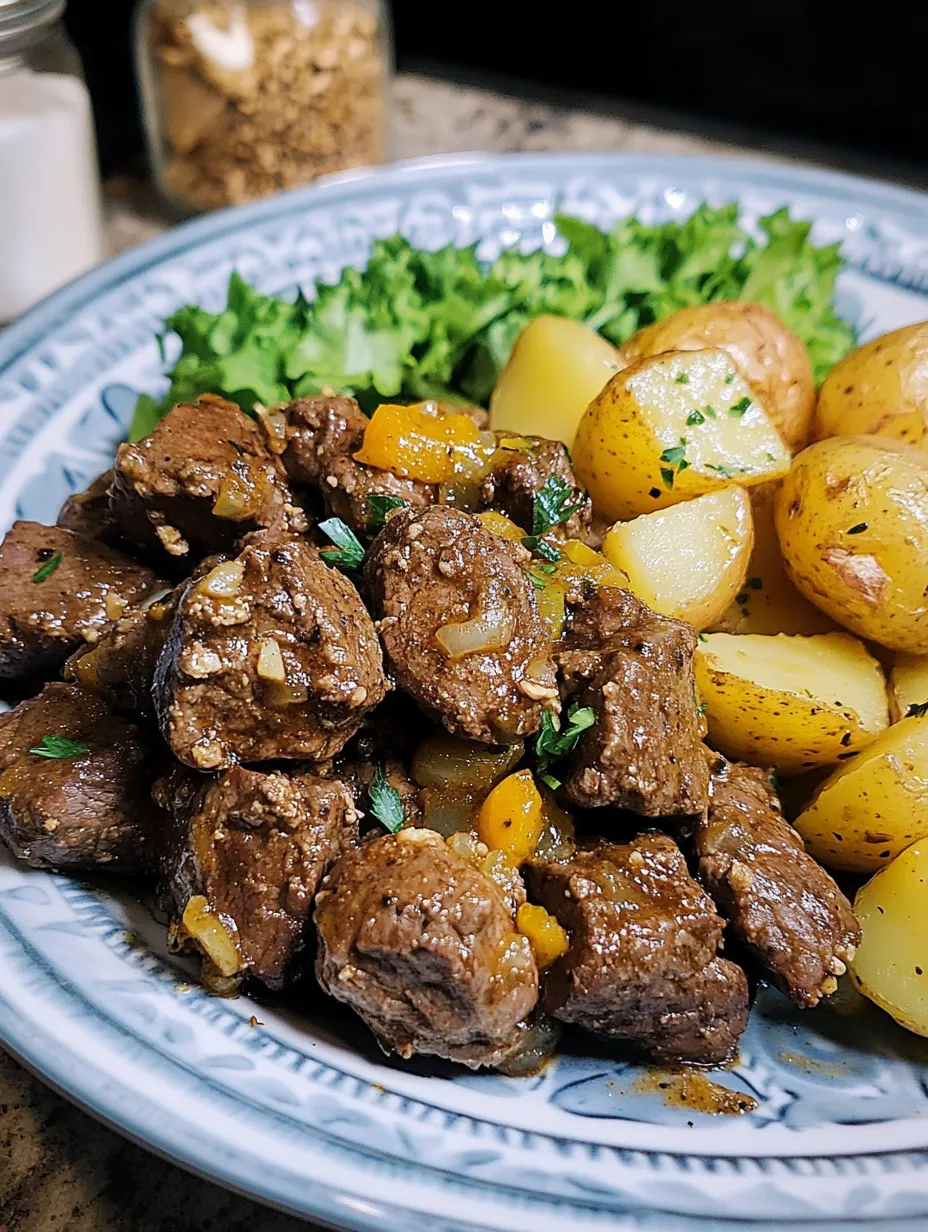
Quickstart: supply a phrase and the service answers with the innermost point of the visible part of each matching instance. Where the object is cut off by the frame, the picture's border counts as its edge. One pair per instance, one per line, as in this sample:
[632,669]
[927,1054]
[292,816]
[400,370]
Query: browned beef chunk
[88,513]
[120,666]
[58,590]
[642,965]
[523,467]
[419,942]
[242,860]
[635,669]
[87,807]
[782,905]
[437,574]
[272,655]
[323,434]
[199,482]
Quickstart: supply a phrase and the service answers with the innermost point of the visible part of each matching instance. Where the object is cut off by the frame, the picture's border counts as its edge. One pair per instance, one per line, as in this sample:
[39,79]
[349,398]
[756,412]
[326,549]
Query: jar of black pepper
[243,98]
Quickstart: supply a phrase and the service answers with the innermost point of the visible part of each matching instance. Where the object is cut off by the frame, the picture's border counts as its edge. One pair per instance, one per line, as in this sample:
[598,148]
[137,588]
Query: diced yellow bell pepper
[510,817]
[425,442]
[499,524]
[545,935]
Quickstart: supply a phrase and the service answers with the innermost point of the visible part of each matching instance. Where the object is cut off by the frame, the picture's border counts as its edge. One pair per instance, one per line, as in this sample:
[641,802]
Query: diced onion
[449,762]
[280,694]
[271,662]
[211,935]
[490,629]
[274,422]
[224,580]
[447,812]
[239,495]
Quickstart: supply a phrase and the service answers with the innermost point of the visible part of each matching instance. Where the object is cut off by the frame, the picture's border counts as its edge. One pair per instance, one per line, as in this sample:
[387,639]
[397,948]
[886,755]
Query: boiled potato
[556,369]
[790,702]
[891,963]
[873,806]
[687,561]
[769,356]
[852,520]
[672,427]
[768,602]
[908,685]
[881,388]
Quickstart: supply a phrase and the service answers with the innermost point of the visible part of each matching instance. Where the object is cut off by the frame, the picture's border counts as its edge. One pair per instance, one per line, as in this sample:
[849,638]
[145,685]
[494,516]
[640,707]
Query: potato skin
[891,963]
[852,520]
[873,806]
[879,389]
[769,356]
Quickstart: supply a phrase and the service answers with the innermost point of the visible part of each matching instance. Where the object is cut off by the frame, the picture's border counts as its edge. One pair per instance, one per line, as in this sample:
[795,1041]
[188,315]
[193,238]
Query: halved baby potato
[908,685]
[556,369]
[768,602]
[891,963]
[687,561]
[790,702]
[873,806]
[672,427]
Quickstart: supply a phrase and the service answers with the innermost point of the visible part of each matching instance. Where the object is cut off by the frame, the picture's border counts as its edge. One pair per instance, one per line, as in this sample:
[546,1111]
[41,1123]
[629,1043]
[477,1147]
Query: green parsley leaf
[554,504]
[701,708]
[541,548]
[695,417]
[538,582]
[553,742]
[858,529]
[58,747]
[773,780]
[386,803]
[737,409]
[682,379]
[703,637]
[917,710]
[667,478]
[674,455]
[380,506]
[44,572]
[729,378]
[348,554]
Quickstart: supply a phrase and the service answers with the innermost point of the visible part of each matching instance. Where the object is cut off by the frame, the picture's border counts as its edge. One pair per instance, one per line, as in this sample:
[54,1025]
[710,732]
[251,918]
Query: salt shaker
[50,210]
[242,98]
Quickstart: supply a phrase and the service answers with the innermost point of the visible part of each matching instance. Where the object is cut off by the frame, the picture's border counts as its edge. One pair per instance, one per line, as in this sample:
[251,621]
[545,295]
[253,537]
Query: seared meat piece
[642,965]
[439,580]
[520,473]
[272,655]
[199,482]
[83,807]
[88,513]
[244,854]
[59,589]
[419,942]
[782,905]
[635,669]
[323,434]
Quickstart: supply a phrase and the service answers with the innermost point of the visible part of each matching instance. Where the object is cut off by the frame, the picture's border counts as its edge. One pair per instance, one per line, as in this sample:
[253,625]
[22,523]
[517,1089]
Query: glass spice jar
[243,98]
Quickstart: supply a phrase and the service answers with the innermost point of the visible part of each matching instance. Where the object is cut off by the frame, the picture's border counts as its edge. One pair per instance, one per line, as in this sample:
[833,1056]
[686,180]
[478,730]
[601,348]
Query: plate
[296,1107]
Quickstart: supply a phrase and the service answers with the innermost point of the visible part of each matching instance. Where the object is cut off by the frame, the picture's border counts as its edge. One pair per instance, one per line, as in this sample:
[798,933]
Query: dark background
[785,74]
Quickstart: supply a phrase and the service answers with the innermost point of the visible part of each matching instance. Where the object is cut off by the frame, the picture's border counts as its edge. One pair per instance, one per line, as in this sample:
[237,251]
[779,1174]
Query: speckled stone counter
[61,1171]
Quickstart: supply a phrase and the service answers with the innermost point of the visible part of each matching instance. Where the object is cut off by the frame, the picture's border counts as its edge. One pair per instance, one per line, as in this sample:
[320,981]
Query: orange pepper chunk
[510,817]
[423,442]
[545,935]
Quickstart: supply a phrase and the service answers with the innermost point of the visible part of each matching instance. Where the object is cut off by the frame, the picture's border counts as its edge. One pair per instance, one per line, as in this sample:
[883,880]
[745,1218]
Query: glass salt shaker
[50,210]
[243,98]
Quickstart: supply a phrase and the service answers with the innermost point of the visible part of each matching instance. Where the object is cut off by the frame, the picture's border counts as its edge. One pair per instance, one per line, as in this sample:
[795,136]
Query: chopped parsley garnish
[703,637]
[386,803]
[858,529]
[682,379]
[724,471]
[59,747]
[710,412]
[674,455]
[701,708]
[348,553]
[547,550]
[729,378]
[380,506]
[737,409]
[538,582]
[917,710]
[44,572]
[554,742]
[554,504]
[695,417]
[773,781]
[676,463]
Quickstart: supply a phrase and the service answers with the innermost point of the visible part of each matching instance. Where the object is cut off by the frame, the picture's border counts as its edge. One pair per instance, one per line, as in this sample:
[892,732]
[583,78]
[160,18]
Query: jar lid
[21,16]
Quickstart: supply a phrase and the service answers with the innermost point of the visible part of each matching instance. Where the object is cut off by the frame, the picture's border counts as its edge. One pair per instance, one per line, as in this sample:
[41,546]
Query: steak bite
[271,655]
[460,623]
[635,669]
[521,468]
[322,437]
[420,943]
[83,801]
[88,513]
[241,861]
[59,590]
[782,905]
[642,966]
[200,482]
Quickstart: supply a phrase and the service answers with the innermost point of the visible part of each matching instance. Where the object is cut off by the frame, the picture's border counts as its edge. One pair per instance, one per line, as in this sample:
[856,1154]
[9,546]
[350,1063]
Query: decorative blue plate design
[301,1110]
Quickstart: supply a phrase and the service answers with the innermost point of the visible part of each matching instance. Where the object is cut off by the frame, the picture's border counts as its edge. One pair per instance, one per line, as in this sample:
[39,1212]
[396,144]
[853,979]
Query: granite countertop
[61,1171]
